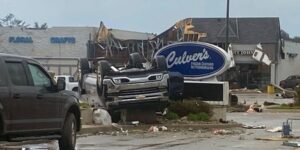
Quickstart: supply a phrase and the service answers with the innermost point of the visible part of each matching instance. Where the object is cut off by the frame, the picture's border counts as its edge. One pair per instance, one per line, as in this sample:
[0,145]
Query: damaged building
[116,44]
[244,36]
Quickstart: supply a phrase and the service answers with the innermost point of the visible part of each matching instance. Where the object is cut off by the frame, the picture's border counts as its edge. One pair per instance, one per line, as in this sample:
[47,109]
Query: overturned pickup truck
[129,87]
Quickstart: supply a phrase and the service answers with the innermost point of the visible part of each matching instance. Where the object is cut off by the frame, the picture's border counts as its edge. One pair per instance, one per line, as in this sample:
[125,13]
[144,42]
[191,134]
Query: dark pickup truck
[33,105]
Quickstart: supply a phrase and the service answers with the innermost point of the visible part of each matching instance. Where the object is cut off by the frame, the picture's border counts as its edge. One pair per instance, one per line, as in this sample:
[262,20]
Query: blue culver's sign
[195,60]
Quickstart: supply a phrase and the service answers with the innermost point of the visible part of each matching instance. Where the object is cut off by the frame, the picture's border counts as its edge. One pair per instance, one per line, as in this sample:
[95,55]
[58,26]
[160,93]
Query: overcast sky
[152,16]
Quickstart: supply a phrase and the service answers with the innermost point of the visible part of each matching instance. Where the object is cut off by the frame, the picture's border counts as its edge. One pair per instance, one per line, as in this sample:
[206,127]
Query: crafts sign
[195,60]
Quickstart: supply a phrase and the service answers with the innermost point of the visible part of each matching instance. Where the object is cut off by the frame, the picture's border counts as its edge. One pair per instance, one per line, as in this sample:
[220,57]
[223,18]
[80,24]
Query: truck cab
[71,83]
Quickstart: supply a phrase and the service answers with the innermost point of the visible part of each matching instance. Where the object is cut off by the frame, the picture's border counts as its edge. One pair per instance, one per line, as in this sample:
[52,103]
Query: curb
[94,129]
[281,110]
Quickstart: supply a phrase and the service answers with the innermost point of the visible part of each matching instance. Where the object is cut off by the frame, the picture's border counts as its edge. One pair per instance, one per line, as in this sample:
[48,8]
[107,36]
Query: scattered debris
[245,90]
[153,129]
[163,128]
[292,143]
[223,121]
[222,132]
[157,129]
[255,108]
[254,126]
[118,127]
[276,129]
[135,123]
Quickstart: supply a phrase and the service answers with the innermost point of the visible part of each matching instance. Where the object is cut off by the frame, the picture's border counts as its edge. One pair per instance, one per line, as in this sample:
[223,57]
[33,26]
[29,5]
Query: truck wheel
[104,67]
[68,139]
[161,63]
[84,66]
[84,69]
[135,61]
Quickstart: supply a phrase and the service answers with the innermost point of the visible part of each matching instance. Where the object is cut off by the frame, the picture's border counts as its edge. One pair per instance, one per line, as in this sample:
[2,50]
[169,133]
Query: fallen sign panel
[291,143]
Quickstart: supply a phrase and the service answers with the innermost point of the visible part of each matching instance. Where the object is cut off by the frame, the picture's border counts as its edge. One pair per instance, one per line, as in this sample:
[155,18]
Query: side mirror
[61,84]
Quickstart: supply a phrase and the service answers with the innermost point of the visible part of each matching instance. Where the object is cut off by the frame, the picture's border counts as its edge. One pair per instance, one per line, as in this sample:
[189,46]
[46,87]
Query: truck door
[49,101]
[4,96]
[22,100]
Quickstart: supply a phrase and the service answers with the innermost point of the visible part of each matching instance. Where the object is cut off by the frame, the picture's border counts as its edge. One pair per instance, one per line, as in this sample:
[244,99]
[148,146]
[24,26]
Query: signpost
[200,64]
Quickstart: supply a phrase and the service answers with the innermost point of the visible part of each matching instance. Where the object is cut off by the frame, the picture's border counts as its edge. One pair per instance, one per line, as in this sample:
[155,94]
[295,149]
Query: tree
[43,26]
[11,21]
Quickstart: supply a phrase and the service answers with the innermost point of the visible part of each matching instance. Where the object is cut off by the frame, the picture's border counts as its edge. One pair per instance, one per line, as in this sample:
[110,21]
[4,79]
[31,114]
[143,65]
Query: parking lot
[190,138]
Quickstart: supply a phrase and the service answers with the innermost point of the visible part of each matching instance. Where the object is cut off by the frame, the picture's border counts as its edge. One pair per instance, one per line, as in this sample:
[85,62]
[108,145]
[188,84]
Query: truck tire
[84,66]
[175,86]
[135,61]
[84,69]
[104,67]
[68,138]
[160,62]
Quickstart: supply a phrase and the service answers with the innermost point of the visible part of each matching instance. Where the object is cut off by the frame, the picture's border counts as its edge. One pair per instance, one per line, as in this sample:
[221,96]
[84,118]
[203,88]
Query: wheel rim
[73,133]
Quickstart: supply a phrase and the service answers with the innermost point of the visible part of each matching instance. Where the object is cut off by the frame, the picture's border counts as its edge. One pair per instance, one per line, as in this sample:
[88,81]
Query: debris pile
[157,129]
[222,132]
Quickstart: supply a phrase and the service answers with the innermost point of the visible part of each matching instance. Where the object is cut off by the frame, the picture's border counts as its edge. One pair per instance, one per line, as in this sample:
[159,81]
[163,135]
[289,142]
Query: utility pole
[227,24]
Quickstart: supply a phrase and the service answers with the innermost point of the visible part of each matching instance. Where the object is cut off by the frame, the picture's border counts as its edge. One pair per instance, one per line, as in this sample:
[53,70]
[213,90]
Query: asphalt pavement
[194,138]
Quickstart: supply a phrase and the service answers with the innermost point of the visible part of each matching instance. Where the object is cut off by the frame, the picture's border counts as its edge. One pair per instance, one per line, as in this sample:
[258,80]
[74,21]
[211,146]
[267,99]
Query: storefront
[244,35]
[247,72]
[56,48]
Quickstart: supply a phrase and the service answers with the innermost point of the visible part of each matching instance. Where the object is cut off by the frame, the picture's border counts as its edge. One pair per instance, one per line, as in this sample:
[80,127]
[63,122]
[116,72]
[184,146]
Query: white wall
[290,65]
[41,45]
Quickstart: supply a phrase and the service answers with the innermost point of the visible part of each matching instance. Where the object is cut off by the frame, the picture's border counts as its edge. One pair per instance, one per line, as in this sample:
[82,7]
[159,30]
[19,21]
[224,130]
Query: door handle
[16,96]
[39,96]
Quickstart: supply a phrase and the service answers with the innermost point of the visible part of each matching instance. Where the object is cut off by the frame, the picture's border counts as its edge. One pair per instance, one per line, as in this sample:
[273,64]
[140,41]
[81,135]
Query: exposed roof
[130,35]
[123,35]
[241,30]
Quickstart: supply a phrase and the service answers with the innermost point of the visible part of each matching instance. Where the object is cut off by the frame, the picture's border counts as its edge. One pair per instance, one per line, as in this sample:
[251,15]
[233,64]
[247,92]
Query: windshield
[71,79]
